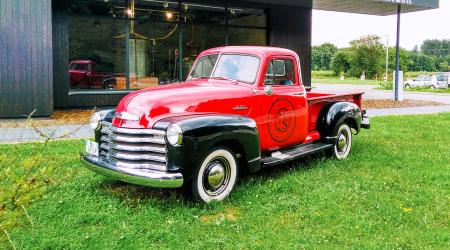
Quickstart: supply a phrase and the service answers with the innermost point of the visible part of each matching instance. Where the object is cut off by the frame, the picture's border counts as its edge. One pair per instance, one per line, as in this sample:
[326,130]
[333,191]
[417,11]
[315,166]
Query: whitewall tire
[216,177]
[343,144]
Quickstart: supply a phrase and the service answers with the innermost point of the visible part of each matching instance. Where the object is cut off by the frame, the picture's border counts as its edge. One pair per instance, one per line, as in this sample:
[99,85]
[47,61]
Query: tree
[404,59]
[435,47]
[443,66]
[368,56]
[322,56]
[421,62]
[342,61]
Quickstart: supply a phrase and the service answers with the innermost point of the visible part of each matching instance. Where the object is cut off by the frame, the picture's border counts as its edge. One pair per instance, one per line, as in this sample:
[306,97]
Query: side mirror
[268,82]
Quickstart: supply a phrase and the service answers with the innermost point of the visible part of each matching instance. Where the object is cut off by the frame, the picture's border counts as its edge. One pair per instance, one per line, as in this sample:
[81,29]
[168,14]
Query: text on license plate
[92,147]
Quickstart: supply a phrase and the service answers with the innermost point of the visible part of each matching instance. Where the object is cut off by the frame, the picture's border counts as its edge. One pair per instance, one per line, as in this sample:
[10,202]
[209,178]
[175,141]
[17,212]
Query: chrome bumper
[149,178]
[365,120]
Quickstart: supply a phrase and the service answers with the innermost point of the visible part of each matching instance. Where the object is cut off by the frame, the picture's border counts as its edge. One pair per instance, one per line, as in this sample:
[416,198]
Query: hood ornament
[127,116]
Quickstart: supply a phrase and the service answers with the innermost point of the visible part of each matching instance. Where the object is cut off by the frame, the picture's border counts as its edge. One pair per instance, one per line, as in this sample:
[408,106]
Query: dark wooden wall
[290,27]
[26,65]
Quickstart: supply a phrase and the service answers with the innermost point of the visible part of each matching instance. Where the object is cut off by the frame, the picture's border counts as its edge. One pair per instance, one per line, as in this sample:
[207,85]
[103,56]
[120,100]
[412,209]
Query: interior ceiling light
[129,12]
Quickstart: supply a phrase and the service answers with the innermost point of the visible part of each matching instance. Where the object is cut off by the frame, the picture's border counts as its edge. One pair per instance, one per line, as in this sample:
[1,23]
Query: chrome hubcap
[216,175]
[341,142]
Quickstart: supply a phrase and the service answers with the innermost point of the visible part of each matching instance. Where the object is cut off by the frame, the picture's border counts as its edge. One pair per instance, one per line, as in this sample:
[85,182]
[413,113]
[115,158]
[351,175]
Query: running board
[282,156]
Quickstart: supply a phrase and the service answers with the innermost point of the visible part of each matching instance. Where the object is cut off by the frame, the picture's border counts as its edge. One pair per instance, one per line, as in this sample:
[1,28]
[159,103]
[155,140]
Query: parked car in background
[444,78]
[422,81]
[83,74]
[439,81]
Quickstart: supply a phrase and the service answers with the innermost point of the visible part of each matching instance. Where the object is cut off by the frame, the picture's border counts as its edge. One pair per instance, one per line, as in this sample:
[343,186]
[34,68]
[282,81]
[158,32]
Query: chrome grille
[133,148]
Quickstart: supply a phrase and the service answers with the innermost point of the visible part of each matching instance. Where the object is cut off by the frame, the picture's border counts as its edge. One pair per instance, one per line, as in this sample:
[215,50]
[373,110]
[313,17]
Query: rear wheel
[109,84]
[343,143]
[216,177]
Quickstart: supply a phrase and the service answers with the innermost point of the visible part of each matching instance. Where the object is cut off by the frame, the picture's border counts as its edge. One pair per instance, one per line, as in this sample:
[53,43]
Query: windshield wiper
[223,78]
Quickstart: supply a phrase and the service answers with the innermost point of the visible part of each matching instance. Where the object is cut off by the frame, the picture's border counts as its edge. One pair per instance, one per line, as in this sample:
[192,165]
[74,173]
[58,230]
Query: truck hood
[186,98]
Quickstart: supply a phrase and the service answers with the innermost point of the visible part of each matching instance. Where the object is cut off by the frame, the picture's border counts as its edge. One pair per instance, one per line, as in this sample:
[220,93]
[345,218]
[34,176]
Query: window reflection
[97,58]
[153,43]
[135,44]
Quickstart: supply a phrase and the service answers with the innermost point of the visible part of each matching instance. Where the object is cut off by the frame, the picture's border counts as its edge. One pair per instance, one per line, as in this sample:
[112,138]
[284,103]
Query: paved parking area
[372,93]
[14,135]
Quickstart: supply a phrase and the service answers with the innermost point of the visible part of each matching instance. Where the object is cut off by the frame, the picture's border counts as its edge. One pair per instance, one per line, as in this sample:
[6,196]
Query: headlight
[174,135]
[98,117]
[95,121]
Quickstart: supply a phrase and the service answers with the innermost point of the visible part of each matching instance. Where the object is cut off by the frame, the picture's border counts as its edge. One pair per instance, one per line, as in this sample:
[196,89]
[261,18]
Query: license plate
[365,121]
[92,147]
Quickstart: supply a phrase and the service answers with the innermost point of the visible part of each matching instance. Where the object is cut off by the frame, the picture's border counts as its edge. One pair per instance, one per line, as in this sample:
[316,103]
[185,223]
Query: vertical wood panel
[26,72]
[290,27]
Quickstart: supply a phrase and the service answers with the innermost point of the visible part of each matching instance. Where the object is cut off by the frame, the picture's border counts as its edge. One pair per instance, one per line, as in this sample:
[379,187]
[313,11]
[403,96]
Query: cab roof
[261,51]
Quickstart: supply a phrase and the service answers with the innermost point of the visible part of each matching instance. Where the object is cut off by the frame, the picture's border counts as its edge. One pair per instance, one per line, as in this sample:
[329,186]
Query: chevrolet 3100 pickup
[240,109]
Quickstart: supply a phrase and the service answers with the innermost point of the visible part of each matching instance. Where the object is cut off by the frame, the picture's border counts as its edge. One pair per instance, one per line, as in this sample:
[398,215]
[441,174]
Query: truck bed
[317,100]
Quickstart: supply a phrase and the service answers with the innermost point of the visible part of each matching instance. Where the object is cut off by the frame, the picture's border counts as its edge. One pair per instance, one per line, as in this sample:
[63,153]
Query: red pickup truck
[240,109]
[83,74]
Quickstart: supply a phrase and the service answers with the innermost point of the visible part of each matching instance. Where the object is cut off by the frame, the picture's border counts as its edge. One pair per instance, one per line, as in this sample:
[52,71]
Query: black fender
[335,113]
[202,133]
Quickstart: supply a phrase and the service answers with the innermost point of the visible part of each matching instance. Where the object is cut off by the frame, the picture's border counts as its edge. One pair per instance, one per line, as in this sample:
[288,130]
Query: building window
[134,44]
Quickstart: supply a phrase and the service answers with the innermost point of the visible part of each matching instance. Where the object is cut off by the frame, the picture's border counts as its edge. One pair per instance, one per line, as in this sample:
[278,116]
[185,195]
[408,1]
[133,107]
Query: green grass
[429,90]
[353,81]
[393,192]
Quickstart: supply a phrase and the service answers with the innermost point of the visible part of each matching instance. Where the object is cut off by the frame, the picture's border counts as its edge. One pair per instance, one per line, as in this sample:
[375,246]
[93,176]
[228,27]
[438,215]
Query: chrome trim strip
[136,148]
[124,138]
[149,166]
[144,177]
[136,157]
[137,131]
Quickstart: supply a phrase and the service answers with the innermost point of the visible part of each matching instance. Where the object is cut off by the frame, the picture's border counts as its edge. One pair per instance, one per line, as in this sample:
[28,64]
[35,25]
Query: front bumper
[365,121]
[144,177]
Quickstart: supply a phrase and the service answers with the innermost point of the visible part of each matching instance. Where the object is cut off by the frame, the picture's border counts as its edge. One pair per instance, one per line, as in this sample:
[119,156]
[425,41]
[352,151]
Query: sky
[340,28]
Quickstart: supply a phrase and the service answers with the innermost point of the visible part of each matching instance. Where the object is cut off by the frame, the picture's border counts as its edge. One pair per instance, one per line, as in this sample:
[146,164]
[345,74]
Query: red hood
[205,96]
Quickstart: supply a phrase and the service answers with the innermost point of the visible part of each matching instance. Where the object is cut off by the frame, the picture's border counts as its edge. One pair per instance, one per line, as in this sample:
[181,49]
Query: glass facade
[134,44]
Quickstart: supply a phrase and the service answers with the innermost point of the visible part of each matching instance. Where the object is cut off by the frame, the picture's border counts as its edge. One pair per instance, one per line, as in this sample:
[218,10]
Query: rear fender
[335,113]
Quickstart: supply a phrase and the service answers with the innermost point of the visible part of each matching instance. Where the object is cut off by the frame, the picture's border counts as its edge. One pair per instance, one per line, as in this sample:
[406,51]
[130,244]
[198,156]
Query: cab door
[284,111]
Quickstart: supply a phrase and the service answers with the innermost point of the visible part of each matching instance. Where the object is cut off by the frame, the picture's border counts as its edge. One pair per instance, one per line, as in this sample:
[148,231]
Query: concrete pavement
[372,93]
[14,135]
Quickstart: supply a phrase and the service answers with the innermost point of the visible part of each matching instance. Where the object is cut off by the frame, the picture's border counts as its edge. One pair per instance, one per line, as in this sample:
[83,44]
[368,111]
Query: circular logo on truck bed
[281,120]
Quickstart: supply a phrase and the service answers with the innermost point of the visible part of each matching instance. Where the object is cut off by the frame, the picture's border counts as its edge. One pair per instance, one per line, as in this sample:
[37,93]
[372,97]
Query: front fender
[335,113]
[201,133]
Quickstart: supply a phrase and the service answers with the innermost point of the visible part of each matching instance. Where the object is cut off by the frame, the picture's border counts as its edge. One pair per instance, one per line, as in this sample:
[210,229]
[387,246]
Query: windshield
[204,67]
[243,68]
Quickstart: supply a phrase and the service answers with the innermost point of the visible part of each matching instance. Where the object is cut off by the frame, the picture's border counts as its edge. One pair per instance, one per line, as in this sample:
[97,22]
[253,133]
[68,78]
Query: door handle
[298,94]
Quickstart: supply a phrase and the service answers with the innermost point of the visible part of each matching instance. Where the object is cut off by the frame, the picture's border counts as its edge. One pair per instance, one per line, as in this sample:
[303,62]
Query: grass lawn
[444,91]
[393,192]
[346,81]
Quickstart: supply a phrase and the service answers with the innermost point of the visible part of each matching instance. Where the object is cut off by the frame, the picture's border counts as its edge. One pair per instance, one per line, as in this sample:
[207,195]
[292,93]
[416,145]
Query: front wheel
[343,144]
[216,177]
